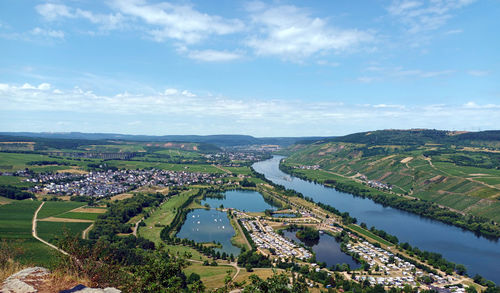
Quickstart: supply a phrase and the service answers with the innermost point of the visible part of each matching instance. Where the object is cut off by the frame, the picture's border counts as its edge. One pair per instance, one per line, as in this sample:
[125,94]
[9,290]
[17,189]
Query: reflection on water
[243,200]
[479,255]
[327,250]
[209,226]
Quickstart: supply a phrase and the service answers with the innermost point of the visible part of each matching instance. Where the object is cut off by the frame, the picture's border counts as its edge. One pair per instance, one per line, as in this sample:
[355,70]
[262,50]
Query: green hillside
[457,171]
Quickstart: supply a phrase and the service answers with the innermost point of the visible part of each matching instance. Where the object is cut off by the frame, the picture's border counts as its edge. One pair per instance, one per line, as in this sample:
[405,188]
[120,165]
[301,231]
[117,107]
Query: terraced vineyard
[464,179]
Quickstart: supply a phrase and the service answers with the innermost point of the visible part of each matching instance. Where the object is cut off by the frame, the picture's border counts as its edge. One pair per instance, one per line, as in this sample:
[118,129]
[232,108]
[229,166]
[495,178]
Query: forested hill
[417,137]
[223,140]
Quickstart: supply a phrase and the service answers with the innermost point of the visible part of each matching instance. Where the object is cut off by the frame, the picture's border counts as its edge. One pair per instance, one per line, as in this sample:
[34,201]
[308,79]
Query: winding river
[478,254]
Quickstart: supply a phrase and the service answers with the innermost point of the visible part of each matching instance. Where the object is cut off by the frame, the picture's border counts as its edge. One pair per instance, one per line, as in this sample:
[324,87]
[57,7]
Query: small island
[308,235]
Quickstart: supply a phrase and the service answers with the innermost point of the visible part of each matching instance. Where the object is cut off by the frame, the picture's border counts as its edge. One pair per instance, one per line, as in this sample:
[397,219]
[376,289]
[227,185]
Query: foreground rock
[31,280]
[26,281]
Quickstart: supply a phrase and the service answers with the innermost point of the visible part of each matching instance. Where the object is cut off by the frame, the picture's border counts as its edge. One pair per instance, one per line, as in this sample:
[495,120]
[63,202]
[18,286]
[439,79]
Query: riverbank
[479,255]
[480,227]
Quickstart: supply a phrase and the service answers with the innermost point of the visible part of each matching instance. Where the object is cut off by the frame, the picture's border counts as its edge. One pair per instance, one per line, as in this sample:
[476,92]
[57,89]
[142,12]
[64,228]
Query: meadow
[163,215]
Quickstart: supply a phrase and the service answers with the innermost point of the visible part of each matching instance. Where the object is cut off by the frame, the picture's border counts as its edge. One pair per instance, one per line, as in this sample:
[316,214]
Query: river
[480,255]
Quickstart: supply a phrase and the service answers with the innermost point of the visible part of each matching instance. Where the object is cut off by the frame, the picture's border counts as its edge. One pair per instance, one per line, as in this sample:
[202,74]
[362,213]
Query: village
[106,183]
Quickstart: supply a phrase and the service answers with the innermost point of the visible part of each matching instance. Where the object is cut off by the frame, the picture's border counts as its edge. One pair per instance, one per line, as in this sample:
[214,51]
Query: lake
[209,225]
[327,250]
[480,255]
[243,200]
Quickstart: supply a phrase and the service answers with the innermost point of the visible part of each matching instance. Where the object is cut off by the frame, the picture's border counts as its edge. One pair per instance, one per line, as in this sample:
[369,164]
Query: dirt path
[33,232]
[64,220]
[86,232]
[136,227]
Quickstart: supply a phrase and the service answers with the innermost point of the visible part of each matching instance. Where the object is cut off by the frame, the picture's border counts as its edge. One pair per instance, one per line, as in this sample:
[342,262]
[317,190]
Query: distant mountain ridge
[222,140]
[416,137]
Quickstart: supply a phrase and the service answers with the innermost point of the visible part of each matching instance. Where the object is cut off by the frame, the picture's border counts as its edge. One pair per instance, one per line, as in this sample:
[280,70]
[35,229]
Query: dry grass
[263,273]
[9,268]
[65,220]
[121,196]
[59,280]
[73,170]
[406,160]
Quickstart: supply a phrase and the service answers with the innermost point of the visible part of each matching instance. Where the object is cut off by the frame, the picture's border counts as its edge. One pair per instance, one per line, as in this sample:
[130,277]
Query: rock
[30,280]
[83,289]
[25,281]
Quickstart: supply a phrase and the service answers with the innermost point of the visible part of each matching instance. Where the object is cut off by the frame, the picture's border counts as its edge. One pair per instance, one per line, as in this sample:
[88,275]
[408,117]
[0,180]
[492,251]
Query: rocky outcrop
[25,281]
[30,280]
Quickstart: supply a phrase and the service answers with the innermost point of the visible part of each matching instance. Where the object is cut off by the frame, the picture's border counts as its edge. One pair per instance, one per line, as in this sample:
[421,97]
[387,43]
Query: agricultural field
[78,216]
[57,208]
[164,166]
[51,231]
[15,227]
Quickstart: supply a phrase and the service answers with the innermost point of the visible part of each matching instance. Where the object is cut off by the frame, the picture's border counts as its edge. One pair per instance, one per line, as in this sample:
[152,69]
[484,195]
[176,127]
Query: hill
[460,171]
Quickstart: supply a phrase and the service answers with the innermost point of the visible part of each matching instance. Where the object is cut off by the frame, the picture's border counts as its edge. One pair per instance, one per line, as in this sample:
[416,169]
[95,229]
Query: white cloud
[425,15]
[52,12]
[290,32]
[48,33]
[211,113]
[55,12]
[178,22]
[213,56]
[478,72]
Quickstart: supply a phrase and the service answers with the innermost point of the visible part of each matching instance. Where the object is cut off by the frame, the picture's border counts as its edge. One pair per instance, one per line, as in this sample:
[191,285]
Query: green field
[164,216]
[51,231]
[56,208]
[81,216]
[13,161]
[164,166]
[15,228]
[369,234]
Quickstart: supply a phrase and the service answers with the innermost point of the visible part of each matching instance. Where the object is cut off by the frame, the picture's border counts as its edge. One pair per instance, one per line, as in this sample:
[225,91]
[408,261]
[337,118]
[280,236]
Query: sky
[275,68]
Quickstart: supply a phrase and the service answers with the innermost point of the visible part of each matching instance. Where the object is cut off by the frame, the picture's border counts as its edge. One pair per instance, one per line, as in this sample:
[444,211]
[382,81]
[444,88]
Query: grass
[12,161]
[4,200]
[14,181]
[55,208]
[163,215]
[369,234]
[51,231]
[82,216]
[238,239]
[180,250]
[263,273]
[212,277]
[15,228]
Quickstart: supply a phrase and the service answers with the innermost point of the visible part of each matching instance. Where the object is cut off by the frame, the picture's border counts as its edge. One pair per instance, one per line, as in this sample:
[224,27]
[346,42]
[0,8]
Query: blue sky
[277,68]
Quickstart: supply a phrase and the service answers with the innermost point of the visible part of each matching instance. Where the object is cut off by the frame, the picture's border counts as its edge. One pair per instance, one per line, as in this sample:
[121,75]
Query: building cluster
[306,167]
[378,184]
[395,272]
[22,173]
[106,183]
[265,238]
[233,158]
[95,155]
